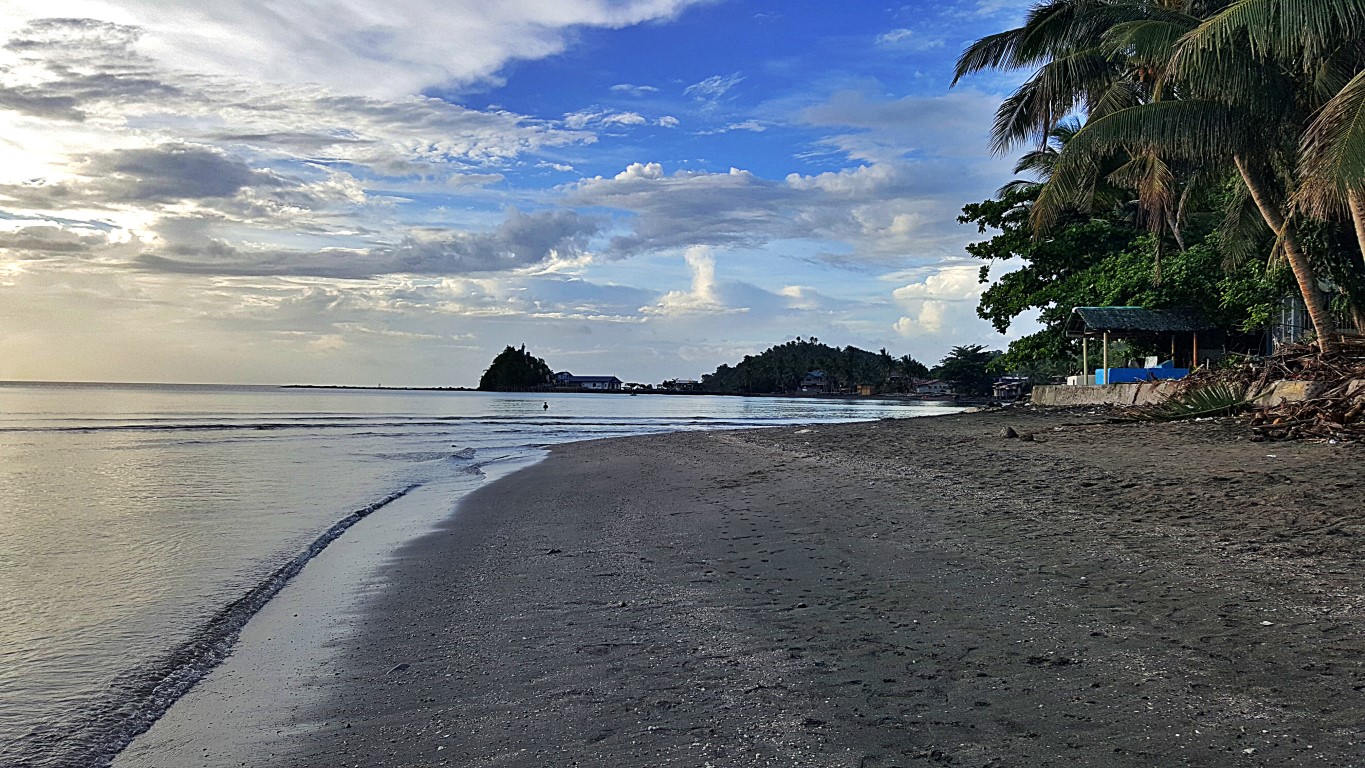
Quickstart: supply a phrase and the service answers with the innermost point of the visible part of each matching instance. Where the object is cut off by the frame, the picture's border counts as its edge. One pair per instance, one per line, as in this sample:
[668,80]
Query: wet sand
[914,592]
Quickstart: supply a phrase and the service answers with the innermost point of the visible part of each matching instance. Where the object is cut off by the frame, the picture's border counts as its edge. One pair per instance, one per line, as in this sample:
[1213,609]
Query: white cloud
[624,118]
[600,117]
[747,125]
[803,297]
[941,301]
[956,124]
[641,171]
[907,39]
[634,90]
[928,322]
[951,283]
[668,121]
[702,297]
[713,88]
[352,45]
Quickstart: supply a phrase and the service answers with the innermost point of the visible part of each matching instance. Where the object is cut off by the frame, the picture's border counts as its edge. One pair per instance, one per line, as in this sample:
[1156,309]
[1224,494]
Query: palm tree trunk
[1172,221]
[1358,218]
[1298,262]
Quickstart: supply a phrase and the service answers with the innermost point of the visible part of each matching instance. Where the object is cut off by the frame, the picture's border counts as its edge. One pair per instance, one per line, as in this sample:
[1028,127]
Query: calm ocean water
[142,525]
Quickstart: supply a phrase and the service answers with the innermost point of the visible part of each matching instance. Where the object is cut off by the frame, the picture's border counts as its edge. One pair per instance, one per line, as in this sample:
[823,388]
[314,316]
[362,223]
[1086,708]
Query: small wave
[138,697]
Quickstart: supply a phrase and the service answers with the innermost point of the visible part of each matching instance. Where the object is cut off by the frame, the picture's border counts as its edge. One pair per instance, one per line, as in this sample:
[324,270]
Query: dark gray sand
[902,593]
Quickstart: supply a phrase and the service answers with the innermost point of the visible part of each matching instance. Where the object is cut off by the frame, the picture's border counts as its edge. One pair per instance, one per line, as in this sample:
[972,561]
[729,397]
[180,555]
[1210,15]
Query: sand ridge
[912,592]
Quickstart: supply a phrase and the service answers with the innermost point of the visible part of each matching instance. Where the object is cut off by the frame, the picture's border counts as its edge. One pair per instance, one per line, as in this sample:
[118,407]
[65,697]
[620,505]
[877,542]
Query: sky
[363,192]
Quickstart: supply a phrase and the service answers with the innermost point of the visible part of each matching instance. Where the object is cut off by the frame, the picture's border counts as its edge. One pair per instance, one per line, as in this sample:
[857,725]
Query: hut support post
[1085,360]
[1194,353]
[1106,357]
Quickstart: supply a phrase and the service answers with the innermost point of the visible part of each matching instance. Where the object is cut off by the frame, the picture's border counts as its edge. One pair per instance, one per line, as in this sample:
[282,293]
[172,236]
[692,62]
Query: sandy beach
[911,592]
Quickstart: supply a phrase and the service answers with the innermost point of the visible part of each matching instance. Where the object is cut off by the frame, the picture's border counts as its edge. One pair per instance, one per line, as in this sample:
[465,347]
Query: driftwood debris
[1335,412]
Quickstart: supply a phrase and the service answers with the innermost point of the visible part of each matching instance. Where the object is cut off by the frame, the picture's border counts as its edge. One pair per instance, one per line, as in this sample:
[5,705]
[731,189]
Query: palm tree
[1202,100]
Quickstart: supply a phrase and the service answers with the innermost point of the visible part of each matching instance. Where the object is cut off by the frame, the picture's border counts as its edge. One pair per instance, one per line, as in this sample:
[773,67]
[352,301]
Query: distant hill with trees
[782,369]
[515,370]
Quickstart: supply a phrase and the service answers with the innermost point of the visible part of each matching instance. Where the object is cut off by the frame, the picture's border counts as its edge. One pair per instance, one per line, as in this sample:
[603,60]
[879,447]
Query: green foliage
[782,368]
[1176,98]
[1105,260]
[968,368]
[515,370]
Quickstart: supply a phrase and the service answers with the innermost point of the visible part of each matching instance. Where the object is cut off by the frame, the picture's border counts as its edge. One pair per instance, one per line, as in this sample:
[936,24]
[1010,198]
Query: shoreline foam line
[137,698]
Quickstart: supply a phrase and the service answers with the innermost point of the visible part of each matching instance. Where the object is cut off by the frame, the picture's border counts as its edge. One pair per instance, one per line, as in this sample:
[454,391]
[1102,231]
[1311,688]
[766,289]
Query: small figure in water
[545,407]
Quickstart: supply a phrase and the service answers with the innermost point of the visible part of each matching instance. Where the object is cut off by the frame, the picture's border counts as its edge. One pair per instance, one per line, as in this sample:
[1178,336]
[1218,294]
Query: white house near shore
[933,387]
[605,383]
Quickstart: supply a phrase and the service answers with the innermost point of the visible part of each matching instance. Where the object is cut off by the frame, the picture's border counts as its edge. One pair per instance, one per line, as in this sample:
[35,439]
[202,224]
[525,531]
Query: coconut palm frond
[1153,180]
[1218,399]
[1018,187]
[1148,42]
[1234,76]
[1275,29]
[1054,91]
[1120,94]
[998,51]
[1071,187]
[1198,131]
[1038,162]
[1049,30]
[1333,152]
[1174,130]
[1243,230]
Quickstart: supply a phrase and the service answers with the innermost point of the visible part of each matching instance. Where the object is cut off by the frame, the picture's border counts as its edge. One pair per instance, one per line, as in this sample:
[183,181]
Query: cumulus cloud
[641,171]
[928,322]
[702,295]
[950,283]
[708,296]
[881,213]
[624,118]
[668,121]
[941,298]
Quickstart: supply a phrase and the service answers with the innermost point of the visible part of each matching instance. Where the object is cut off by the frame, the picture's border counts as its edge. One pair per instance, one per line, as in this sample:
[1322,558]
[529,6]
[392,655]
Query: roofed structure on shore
[566,379]
[1135,321]
[1105,323]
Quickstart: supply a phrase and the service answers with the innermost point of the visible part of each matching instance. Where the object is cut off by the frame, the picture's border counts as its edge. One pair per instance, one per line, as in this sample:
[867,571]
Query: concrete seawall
[1105,394]
[1149,392]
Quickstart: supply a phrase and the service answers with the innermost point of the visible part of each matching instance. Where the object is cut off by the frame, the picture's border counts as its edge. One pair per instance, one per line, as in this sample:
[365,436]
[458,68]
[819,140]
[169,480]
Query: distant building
[814,381]
[1007,389]
[932,387]
[681,385]
[606,383]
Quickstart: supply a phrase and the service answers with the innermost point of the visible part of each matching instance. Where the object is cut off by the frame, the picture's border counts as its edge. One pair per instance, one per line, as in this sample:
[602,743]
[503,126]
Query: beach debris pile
[1333,406]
